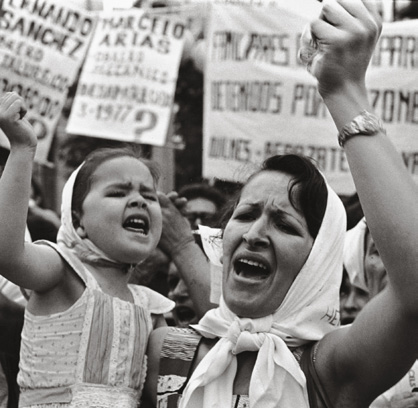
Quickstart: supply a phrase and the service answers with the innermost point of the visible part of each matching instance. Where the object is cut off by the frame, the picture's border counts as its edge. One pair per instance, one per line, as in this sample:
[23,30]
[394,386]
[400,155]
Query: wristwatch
[365,124]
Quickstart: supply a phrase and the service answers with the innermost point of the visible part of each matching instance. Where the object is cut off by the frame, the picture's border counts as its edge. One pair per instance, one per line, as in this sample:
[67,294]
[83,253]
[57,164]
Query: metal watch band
[364,124]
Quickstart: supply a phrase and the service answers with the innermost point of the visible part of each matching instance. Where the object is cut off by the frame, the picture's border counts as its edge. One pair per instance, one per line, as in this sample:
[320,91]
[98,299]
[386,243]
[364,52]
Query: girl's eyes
[122,193]
[116,193]
[151,197]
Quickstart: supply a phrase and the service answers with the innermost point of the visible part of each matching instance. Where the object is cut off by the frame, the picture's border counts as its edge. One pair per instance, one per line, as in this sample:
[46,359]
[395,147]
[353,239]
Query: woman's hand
[176,232]
[345,35]
[13,122]
[404,400]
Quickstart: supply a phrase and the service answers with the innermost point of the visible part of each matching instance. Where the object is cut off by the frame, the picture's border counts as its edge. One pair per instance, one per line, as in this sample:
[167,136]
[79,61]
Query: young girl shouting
[86,328]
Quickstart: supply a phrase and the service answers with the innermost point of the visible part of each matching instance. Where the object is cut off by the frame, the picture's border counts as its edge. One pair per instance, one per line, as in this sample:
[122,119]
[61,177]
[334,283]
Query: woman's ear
[81,232]
[77,225]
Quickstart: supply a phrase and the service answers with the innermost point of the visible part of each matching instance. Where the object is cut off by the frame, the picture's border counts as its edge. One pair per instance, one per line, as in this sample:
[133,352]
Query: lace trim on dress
[102,396]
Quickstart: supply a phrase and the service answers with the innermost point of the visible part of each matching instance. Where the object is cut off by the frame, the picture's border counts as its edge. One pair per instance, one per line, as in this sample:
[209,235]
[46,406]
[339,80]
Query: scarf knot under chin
[248,334]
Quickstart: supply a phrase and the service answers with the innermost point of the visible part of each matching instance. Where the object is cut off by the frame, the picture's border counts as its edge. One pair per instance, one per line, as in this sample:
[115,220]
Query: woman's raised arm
[381,344]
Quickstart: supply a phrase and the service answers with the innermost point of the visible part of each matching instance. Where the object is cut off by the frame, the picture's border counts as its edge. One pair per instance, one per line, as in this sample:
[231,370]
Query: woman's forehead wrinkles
[271,199]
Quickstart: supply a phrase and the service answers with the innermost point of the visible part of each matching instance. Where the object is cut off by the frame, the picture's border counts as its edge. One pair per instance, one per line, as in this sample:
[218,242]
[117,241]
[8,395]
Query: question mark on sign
[146,121]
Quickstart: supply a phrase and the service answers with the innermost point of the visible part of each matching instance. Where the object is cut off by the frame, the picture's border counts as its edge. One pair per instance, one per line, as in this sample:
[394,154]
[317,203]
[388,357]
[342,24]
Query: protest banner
[260,101]
[42,46]
[127,85]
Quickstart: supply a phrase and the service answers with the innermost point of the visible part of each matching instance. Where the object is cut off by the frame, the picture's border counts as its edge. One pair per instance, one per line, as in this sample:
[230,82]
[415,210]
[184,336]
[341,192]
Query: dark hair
[308,192]
[202,190]
[83,180]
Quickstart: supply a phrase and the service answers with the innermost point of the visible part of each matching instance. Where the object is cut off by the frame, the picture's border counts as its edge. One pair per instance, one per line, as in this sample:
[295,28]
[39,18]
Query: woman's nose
[256,236]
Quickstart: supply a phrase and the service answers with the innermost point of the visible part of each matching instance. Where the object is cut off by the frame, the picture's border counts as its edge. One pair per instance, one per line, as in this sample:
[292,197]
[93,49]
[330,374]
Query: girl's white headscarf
[67,235]
[354,255]
[309,311]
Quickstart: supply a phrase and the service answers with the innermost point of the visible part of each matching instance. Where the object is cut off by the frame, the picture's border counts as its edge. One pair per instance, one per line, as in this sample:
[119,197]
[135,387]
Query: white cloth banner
[260,101]
[42,46]
[127,85]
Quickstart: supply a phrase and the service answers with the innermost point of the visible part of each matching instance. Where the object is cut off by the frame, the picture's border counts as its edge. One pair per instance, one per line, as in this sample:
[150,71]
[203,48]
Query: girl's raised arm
[27,265]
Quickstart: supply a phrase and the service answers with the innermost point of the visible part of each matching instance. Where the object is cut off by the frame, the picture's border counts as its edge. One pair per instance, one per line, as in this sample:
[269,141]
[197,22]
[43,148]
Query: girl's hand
[345,35]
[13,122]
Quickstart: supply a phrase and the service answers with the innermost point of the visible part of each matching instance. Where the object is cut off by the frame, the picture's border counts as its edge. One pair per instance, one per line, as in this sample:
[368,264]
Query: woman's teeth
[250,269]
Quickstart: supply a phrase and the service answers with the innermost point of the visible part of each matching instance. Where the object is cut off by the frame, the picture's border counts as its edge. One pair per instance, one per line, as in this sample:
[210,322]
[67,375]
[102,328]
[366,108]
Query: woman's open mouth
[251,269]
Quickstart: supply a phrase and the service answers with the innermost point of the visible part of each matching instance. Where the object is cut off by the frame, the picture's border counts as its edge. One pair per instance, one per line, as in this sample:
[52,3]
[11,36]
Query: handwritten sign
[260,101]
[42,46]
[127,85]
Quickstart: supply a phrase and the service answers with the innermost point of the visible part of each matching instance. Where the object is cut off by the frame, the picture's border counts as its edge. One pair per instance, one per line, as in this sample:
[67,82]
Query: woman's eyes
[244,216]
[282,224]
[278,222]
[286,228]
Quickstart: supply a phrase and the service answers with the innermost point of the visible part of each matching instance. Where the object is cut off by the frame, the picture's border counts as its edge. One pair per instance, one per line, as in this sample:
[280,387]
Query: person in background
[366,274]
[153,272]
[12,308]
[354,293]
[352,300]
[11,323]
[203,205]
[184,312]
[174,263]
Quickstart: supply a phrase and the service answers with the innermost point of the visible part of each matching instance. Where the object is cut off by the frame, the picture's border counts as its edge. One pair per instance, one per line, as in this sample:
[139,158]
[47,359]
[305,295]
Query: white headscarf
[309,311]
[354,254]
[67,235]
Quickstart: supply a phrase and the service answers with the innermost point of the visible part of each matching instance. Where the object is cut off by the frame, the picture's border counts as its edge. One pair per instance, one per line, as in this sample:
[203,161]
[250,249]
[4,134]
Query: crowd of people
[110,305]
